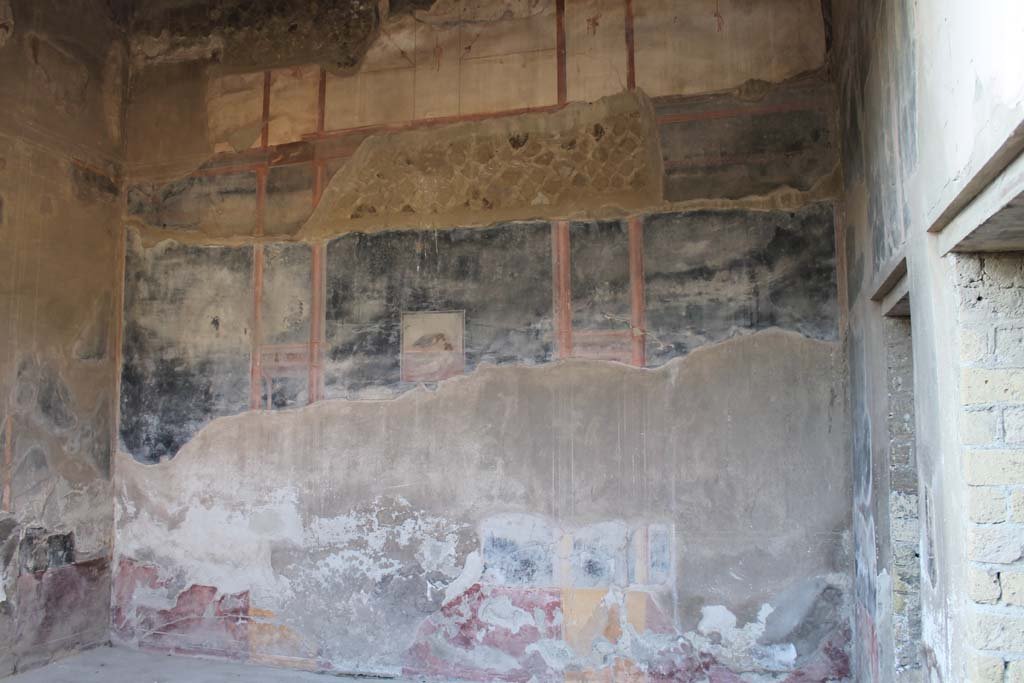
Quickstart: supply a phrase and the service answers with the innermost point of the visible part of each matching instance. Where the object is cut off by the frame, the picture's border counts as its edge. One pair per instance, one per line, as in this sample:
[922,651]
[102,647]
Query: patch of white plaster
[739,647]
[480,657]
[210,544]
[360,541]
[716,619]
[556,653]
[472,570]
[502,613]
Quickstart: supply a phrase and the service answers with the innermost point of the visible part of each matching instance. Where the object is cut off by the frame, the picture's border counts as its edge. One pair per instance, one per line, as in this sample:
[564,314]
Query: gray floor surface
[117,665]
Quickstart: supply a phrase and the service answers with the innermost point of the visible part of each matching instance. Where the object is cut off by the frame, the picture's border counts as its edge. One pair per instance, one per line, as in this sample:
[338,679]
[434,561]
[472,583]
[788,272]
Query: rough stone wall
[991,315]
[885,523]
[61,73]
[870,585]
[502,435]
[247,33]
[605,154]
[904,521]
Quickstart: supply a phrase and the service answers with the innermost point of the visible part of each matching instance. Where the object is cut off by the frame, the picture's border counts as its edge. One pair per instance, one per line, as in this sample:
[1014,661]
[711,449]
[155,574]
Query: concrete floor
[117,665]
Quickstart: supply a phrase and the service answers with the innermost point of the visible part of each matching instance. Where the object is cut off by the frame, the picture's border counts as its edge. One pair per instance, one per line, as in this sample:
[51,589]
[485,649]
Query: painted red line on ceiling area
[560,51]
[319,173]
[265,129]
[279,160]
[228,168]
[630,48]
[435,121]
[314,382]
[321,101]
[261,200]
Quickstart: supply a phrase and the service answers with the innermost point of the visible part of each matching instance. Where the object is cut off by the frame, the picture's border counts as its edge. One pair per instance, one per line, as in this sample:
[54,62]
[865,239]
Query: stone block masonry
[991,319]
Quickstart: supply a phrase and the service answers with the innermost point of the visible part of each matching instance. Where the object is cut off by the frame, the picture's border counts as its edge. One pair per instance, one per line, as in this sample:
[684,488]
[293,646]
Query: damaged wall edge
[61,157]
[793,166]
[768,293]
[766,269]
[539,478]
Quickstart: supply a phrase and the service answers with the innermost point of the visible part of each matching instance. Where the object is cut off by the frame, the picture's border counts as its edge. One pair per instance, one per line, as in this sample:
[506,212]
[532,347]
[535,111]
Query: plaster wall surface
[61,73]
[931,104]
[903,502]
[556,513]
[369,427]
[365,426]
[614,520]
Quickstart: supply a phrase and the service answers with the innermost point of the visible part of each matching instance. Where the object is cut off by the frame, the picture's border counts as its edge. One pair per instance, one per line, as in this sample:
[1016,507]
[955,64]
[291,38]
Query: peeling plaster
[604,153]
[409,574]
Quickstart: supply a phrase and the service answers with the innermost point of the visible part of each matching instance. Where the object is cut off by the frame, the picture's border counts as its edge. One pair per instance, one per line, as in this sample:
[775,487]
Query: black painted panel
[186,343]
[211,203]
[732,145]
[713,274]
[500,277]
[600,275]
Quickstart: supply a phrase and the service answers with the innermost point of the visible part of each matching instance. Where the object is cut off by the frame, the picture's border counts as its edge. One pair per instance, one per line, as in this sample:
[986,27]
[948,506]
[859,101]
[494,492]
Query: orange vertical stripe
[636,290]
[560,51]
[256,366]
[265,129]
[563,287]
[314,385]
[321,101]
[261,200]
[630,48]
[319,175]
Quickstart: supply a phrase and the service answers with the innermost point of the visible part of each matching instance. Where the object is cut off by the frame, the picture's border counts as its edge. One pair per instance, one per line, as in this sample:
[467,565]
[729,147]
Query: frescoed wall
[507,355]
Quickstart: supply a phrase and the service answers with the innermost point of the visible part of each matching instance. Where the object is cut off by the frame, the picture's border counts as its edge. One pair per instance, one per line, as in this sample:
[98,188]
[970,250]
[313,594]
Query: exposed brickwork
[991,330]
[985,669]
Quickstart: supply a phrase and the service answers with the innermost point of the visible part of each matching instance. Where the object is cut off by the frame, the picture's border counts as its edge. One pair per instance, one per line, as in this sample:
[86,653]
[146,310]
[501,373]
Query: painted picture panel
[432,346]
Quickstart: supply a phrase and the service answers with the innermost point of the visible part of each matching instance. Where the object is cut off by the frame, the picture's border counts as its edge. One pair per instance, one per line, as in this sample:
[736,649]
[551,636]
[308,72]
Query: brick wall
[991,326]
[904,528]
